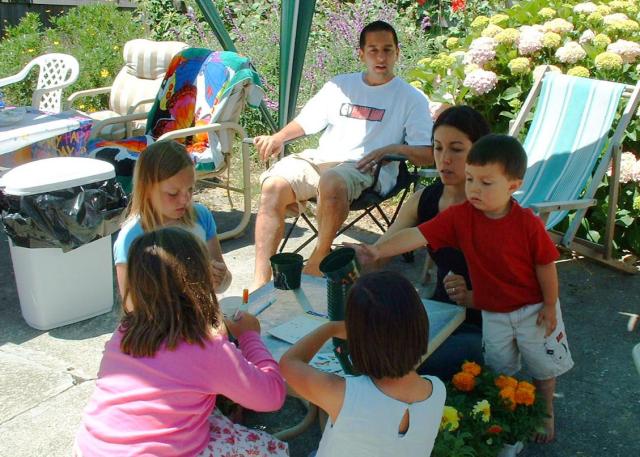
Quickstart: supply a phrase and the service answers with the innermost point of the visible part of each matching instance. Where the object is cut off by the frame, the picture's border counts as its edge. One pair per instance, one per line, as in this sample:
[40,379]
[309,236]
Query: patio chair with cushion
[135,87]
[569,151]
[57,71]
[199,104]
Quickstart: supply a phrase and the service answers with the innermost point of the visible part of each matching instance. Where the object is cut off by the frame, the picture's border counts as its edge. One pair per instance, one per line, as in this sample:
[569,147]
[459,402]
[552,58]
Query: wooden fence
[11,11]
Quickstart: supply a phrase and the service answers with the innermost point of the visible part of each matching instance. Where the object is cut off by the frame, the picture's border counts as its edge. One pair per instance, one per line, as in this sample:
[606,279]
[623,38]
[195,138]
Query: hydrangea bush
[489,61]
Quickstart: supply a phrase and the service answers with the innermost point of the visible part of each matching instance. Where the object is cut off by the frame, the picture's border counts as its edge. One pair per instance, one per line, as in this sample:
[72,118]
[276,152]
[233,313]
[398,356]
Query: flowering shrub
[492,59]
[484,411]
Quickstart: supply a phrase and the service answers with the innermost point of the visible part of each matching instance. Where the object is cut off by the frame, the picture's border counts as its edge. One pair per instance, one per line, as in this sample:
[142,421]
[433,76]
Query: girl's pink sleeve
[250,376]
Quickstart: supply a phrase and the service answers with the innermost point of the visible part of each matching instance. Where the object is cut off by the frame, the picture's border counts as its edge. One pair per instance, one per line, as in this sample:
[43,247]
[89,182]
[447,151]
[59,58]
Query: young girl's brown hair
[169,292]
[158,162]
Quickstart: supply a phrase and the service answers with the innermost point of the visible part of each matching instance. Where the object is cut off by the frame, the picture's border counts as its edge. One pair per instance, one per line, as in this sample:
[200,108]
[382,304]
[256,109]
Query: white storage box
[57,288]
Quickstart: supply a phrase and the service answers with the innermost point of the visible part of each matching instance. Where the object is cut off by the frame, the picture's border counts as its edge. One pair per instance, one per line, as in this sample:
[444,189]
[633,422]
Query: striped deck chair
[569,151]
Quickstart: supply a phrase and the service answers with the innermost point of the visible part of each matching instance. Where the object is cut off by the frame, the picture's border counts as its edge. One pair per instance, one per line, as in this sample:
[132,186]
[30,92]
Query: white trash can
[57,288]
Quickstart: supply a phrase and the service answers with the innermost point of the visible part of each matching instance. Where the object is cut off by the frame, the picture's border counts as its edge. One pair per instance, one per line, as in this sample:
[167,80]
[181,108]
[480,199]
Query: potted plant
[487,414]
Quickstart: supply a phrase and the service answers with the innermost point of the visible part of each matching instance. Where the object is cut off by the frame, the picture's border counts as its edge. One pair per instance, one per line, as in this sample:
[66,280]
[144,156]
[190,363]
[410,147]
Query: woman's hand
[242,322]
[220,275]
[339,329]
[456,288]
[365,253]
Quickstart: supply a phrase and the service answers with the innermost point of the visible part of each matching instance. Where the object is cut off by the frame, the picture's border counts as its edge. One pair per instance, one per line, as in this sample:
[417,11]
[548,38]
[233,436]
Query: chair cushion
[148,59]
[127,90]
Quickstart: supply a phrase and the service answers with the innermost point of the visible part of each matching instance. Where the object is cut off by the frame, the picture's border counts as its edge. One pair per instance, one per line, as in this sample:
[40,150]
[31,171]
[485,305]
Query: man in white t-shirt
[365,116]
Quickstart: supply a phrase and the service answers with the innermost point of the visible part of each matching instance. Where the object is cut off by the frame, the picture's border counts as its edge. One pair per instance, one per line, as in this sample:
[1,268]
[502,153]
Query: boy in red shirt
[511,263]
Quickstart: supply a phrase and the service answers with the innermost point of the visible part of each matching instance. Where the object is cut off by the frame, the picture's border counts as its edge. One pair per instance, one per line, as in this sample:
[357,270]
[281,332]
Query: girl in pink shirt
[169,358]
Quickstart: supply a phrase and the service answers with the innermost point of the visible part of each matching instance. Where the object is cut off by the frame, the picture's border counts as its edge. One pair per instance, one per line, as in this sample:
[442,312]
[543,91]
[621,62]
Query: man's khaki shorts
[302,171]
[509,337]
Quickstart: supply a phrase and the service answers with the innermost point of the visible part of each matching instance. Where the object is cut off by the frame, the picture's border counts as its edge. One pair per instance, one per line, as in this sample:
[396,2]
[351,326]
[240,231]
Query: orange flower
[464,381]
[471,368]
[509,394]
[495,429]
[503,381]
[524,396]
[524,385]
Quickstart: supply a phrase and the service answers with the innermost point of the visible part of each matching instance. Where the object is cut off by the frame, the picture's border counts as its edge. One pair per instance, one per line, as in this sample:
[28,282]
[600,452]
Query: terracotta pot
[511,450]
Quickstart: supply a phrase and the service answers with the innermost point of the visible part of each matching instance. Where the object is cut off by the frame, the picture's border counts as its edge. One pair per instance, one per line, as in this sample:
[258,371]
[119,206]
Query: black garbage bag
[66,218]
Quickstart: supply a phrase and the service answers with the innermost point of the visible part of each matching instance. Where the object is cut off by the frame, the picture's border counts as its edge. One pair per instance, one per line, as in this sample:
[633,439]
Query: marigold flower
[507,36]
[524,396]
[494,429]
[608,61]
[452,42]
[571,53]
[579,71]
[558,25]
[480,22]
[546,13]
[601,40]
[491,30]
[628,50]
[585,8]
[551,40]
[471,368]
[481,81]
[464,382]
[519,66]
[499,19]
[450,419]
[482,408]
[509,395]
[503,381]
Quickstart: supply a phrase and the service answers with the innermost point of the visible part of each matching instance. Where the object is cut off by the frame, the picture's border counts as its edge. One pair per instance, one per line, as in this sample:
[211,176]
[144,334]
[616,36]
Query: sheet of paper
[326,362]
[291,331]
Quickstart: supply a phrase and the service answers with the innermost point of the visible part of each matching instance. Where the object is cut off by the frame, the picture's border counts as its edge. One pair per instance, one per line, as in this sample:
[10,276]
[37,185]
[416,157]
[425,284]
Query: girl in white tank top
[388,409]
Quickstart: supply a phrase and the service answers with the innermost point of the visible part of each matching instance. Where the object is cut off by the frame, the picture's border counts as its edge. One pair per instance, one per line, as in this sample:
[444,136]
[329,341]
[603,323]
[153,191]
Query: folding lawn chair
[569,151]
[368,201]
[199,104]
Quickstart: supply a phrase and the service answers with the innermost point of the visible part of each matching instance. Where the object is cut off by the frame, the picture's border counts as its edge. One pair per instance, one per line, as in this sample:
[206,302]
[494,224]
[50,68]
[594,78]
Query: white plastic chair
[57,71]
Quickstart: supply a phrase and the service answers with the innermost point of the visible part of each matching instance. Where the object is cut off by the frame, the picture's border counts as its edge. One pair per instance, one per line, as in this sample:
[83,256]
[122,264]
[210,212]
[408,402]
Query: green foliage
[94,34]
[165,22]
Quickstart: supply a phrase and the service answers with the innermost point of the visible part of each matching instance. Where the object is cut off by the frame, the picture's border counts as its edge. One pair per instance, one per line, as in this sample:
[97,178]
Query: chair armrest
[132,108]
[15,78]
[98,126]
[210,128]
[88,93]
[547,207]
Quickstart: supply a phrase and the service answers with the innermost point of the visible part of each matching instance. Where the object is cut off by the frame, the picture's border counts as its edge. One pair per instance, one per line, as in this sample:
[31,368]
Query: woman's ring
[453,290]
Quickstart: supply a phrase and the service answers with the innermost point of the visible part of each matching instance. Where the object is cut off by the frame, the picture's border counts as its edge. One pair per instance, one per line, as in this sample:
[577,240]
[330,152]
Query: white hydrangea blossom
[613,18]
[571,53]
[586,37]
[481,51]
[628,50]
[530,40]
[481,81]
[629,168]
[558,25]
[585,8]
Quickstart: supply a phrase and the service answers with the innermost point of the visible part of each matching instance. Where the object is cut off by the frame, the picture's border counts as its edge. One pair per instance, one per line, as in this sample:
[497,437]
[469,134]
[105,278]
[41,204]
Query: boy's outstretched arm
[548,280]
[403,241]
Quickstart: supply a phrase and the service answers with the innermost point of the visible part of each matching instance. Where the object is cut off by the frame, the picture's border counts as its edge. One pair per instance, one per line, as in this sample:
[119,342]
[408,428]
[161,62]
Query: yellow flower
[595,17]
[31,50]
[81,106]
[603,10]
[626,26]
[464,381]
[546,13]
[472,368]
[551,40]
[519,66]
[578,71]
[416,84]
[608,61]
[104,73]
[452,43]
[425,62]
[499,19]
[480,22]
[450,419]
[56,42]
[491,30]
[116,47]
[601,40]
[507,36]
[484,408]
[443,62]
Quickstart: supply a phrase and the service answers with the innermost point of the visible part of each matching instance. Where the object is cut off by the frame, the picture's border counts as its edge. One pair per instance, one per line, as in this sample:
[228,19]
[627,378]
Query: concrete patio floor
[46,378]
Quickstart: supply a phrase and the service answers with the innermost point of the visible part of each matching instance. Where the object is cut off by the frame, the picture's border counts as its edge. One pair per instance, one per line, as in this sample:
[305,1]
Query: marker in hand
[244,306]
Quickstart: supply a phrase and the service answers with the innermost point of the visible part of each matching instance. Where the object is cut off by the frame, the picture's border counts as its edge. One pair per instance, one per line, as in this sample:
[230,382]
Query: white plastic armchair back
[57,71]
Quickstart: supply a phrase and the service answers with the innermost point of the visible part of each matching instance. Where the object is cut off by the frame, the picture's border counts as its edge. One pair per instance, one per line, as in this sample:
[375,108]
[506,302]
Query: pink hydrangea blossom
[586,37]
[628,50]
[629,168]
[481,81]
[481,50]
[530,40]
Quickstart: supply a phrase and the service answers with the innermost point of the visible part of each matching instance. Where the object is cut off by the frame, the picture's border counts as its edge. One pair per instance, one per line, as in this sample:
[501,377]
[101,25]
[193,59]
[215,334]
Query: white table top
[37,126]
[444,318]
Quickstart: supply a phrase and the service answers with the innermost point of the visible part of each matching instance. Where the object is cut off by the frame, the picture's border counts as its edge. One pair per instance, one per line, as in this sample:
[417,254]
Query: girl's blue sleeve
[206,220]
